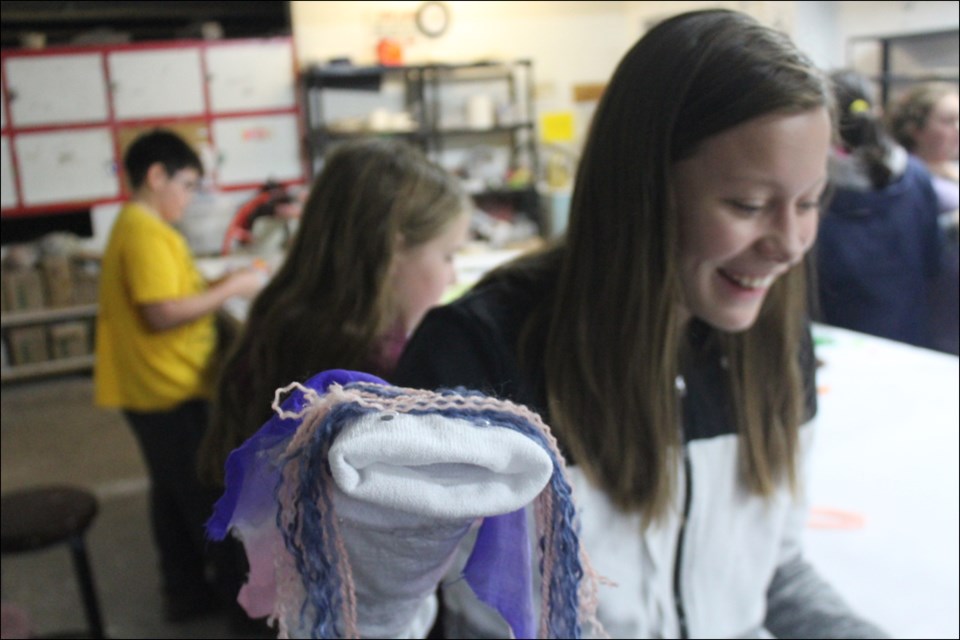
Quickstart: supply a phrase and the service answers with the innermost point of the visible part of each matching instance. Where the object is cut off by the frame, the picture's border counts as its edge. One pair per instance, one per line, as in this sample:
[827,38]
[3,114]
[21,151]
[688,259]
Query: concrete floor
[52,433]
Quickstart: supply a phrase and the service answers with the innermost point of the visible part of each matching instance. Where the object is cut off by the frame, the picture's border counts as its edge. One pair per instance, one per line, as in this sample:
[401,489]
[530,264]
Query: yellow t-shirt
[147,261]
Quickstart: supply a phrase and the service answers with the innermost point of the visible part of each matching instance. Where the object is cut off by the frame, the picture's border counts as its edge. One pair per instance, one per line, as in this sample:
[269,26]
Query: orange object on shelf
[389,52]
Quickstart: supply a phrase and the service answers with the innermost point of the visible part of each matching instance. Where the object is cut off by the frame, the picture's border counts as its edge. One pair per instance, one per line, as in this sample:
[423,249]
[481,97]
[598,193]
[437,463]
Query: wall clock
[433,19]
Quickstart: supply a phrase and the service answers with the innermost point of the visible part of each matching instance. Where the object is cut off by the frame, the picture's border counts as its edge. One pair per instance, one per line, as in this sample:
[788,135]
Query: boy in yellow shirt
[155,340]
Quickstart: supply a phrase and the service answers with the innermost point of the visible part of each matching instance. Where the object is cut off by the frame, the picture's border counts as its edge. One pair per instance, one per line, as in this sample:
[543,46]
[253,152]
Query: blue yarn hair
[307,534]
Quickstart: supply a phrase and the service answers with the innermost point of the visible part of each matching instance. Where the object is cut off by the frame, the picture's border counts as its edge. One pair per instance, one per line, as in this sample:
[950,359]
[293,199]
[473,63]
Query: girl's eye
[813,205]
[747,208]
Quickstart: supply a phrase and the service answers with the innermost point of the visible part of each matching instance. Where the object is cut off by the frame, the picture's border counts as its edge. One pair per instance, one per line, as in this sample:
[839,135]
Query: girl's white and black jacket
[725,563]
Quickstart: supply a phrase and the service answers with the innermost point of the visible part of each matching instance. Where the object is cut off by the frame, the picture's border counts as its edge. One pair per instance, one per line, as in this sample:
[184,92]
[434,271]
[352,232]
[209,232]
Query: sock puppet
[351,503]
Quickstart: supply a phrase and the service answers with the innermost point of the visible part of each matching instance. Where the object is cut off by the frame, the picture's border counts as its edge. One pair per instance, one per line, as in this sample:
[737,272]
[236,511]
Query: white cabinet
[3,104]
[8,189]
[250,77]
[65,166]
[69,114]
[246,78]
[257,148]
[156,84]
[57,89]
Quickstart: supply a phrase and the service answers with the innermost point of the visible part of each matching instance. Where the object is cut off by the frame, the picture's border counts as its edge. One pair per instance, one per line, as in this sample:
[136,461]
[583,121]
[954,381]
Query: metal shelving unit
[340,102]
[44,316]
[895,62]
[48,368]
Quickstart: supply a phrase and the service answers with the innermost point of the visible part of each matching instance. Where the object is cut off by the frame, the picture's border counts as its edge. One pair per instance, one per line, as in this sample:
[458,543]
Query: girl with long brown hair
[373,252]
[665,338]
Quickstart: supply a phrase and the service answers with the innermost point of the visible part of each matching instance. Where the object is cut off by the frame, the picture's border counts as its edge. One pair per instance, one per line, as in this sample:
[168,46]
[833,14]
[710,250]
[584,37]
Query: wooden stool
[37,518]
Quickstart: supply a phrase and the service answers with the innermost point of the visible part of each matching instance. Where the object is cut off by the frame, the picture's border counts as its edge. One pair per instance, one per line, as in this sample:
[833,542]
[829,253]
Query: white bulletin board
[56,90]
[8,190]
[69,113]
[257,148]
[248,77]
[71,166]
[150,84]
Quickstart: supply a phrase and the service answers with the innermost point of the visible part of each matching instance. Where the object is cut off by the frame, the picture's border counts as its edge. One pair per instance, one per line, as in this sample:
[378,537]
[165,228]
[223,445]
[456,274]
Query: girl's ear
[399,242]
[156,176]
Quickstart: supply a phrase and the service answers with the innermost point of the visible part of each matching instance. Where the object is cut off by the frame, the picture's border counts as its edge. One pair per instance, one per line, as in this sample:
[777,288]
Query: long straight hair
[613,333]
[330,301]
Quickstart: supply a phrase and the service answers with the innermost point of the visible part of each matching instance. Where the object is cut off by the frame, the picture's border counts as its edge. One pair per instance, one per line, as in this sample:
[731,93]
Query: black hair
[163,146]
[861,130]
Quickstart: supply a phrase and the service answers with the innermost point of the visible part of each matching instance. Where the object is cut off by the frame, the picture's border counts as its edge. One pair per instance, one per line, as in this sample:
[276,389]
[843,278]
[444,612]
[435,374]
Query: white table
[884,481]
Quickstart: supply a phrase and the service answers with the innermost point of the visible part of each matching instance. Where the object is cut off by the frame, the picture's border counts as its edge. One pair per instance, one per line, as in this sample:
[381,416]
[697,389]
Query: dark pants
[179,504]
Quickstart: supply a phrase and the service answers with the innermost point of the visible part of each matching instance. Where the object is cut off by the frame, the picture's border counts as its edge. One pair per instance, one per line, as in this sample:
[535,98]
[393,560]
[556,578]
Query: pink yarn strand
[543,508]
[347,588]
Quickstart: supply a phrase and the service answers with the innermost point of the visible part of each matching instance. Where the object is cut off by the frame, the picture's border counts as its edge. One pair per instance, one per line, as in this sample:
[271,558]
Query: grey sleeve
[800,604]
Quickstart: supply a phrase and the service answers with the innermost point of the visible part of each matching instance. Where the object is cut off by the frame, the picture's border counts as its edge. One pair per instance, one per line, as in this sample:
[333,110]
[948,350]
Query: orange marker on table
[827,518]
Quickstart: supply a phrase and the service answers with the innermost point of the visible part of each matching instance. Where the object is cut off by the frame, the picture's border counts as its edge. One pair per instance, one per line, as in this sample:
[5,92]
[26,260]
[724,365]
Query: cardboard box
[23,289]
[69,339]
[28,345]
[58,279]
[86,280]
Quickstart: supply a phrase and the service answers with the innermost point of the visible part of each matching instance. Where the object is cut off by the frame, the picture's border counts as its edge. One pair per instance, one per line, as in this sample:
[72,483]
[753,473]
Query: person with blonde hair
[926,121]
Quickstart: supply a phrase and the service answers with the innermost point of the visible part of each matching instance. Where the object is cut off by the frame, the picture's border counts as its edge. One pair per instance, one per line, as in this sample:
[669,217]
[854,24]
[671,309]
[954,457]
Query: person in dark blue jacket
[878,246]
